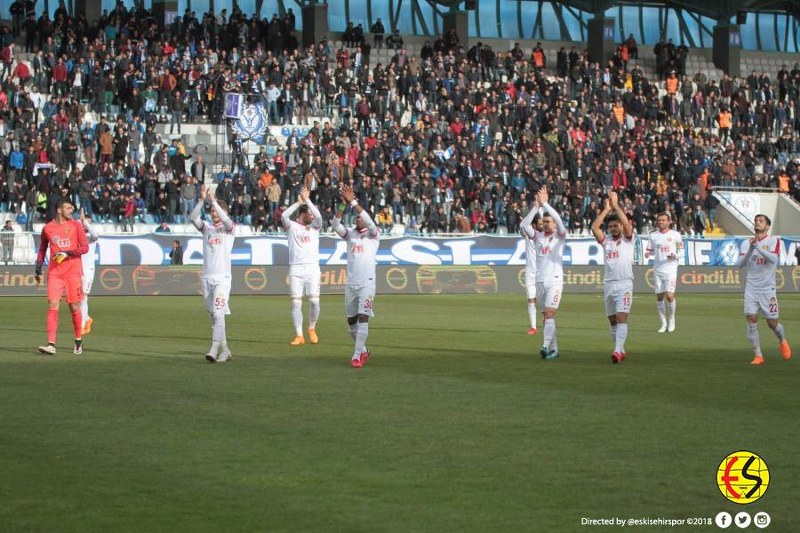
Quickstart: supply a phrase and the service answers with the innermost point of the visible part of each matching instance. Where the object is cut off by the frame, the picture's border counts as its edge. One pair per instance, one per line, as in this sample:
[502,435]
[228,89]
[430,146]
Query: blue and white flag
[252,123]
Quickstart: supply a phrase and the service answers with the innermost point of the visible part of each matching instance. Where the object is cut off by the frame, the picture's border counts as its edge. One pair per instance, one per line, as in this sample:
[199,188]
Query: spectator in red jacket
[60,77]
[22,73]
[620,177]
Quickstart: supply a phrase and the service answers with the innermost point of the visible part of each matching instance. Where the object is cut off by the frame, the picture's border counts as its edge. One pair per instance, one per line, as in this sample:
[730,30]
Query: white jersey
[217,247]
[88,259]
[303,244]
[618,254]
[529,234]
[760,270]
[362,250]
[548,249]
[303,240]
[664,244]
[549,257]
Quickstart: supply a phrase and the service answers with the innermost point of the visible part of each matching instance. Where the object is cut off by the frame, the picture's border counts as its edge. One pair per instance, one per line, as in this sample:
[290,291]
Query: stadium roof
[716,9]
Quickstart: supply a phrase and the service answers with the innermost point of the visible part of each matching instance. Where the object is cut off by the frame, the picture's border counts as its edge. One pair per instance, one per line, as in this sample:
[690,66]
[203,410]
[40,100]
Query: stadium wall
[153,280]
[472,249]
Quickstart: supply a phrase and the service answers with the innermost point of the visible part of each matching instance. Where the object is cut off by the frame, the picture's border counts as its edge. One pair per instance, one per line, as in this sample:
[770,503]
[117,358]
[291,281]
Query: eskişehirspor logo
[252,123]
[743,477]
[729,253]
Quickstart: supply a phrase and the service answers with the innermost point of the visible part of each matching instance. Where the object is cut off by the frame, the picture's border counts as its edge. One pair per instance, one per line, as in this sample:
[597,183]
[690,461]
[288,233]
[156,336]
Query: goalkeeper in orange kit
[67,242]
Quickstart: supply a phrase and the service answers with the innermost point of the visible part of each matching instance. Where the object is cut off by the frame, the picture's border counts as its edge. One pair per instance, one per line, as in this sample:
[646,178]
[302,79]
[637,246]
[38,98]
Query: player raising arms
[87,260]
[618,276]
[665,247]
[359,293]
[67,242]
[549,244]
[304,273]
[217,245]
[528,227]
[760,255]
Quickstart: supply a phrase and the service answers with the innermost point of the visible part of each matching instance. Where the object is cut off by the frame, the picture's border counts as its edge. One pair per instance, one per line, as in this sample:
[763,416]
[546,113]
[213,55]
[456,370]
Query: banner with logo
[722,252]
[470,250]
[748,204]
[151,280]
[252,124]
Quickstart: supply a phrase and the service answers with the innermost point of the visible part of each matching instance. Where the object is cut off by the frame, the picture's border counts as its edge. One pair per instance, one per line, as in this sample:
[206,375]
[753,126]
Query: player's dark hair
[769,222]
[663,214]
[612,218]
[223,205]
[302,210]
[64,200]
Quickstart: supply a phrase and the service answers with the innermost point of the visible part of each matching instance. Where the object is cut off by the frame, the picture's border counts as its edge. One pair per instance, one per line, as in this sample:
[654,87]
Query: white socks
[671,309]
[752,335]
[662,311]
[84,310]
[313,313]
[353,328]
[549,333]
[532,314]
[755,341]
[297,316]
[779,332]
[218,334]
[362,330]
[613,332]
[622,334]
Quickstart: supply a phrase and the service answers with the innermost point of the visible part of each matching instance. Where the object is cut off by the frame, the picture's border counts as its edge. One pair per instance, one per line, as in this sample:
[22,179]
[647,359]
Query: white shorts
[618,296]
[764,302]
[548,295]
[530,284]
[359,299]
[304,280]
[665,281]
[216,293]
[88,279]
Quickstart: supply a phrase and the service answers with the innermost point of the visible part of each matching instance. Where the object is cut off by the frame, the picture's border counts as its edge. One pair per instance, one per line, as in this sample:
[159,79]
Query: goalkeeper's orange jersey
[69,237]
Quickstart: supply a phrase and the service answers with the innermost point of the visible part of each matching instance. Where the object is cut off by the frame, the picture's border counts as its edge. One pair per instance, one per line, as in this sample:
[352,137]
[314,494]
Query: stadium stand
[116,113]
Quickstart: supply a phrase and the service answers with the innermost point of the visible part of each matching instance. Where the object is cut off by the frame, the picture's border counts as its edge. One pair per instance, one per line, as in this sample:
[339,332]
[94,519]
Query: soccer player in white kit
[549,244]
[618,272]
[359,293]
[218,241]
[528,227]
[304,272]
[665,247]
[87,261]
[760,255]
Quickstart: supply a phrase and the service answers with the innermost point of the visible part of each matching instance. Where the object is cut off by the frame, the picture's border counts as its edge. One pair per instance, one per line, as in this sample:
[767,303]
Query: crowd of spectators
[453,139]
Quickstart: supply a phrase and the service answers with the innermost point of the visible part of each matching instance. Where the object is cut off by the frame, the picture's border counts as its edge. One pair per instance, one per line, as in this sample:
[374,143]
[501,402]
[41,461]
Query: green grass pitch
[455,424]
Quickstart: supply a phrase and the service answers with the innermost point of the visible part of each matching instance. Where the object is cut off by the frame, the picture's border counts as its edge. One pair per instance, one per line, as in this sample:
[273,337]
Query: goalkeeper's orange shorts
[57,286]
